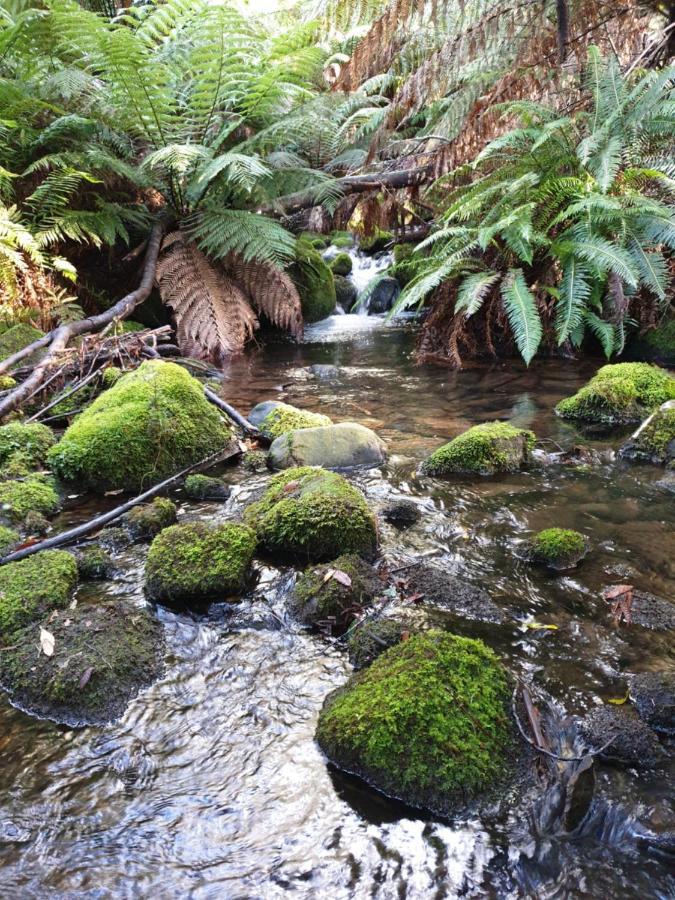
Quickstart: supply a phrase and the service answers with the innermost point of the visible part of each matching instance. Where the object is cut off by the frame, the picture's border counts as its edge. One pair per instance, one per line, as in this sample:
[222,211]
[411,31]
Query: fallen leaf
[618,701]
[72,604]
[540,626]
[112,493]
[242,447]
[415,598]
[405,635]
[47,642]
[342,577]
[290,487]
[86,675]
[328,575]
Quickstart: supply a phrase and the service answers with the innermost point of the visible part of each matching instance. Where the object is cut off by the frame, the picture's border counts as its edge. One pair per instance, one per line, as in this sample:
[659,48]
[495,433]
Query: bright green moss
[319,599]
[32,587]
[486,449]
[16,338]
[151,423]
[313,514]
[427,722]
[147,520]
[196,562]
[7,382]
[284,418]
[378,240]
[103,654]
[255,461]
[34,495]
[341,264]
[314,281]
[655,441]
[202,487]
[111,376]
[342,240]
[558,548]
[33,441]
[18,465]
[619,394]
[8,540]
[93,562]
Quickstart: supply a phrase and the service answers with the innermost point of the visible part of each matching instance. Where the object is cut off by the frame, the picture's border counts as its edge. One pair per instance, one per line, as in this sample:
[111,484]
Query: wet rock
[255,461]
[345,292]
[667,483]
[451,593]
[654,441]
[378,240]
[115,538]
[632,742]
[102,656]
[31,587]
[619,394]
[326,373]
[401,513]
[651,611]
[312,514]
[196,563]
[148,519]
[274,419]
[488,449]
[557,548]
[94,563]
[151,423]
[653,694]
[341,264]
[314,281]
[371,639]
[202,487]
[395,723]
[340,446]
[384,295]
[332,595]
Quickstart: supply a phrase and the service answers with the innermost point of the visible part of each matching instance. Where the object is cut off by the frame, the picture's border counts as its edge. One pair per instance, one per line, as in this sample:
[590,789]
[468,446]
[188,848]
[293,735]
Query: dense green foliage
[32,442]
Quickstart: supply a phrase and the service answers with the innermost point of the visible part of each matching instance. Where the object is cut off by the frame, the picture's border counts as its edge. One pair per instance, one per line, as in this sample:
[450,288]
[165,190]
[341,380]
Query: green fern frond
[575,291]
[473,291]
[252,237]
[521,311]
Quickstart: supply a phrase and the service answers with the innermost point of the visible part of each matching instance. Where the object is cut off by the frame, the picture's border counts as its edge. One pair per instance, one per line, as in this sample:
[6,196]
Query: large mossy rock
[619,394]
[557,548]
[656,345]
[340,446]
[654,441]
[151,423]
[333,594]
[197,563]
[16,338]
[24,499]
[274,418]
[31,443]
[145,521]
[427,722]
[312,514]
[341,264]
[102,656]
[488,449]
[32,587]
[314,281]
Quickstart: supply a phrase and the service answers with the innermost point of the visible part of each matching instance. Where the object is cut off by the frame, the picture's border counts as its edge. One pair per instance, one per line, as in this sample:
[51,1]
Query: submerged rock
[340,446]
[151,423]
[654,441]
[324,596]
[619,394]
[273,418]
[312,514]
[32,587]
[651,611]
[196,563]
[653,694]
[147,520]
[448,592]
[557,548]
[101,657]
[31,442]
[427,722]
[384,295]
[401,513]
[632,742]
[488,449]
[203,487]
[94,563]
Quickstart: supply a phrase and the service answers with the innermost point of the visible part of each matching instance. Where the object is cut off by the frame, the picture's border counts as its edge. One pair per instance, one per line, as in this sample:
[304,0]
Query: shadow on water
[211,785]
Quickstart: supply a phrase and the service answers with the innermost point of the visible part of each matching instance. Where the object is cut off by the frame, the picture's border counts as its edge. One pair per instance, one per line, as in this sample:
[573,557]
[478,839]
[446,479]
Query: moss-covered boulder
[9,539]
[488,449]
[345,292]
[378,240]
[197,563]
[314,281]
[654,441]
[427,722]
[332,595]
[147,520]
[274,418]
[151,423]
[342,446]
[557,548]
[341,264]
[32,442]
[203,487]
[369,640]
[32,587]
[342,239]
[255,461]
[656,345]
[312,514]
[94,563]
[20,499]
[102,656]
[16,338]
[619,394]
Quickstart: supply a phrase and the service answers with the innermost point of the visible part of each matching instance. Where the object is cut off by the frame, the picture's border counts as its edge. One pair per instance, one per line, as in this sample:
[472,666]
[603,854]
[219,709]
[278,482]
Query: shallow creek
[211,785]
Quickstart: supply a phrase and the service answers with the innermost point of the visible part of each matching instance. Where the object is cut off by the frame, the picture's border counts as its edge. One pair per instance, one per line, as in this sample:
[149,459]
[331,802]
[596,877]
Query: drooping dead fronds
[213,316]
[270,290]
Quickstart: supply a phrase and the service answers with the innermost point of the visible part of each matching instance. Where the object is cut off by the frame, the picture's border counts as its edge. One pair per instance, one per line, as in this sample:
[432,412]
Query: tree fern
[575,290]
[473,291]
[521,310]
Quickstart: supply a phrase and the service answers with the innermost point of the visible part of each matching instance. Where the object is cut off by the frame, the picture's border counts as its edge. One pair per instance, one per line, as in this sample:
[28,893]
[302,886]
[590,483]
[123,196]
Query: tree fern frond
[522,313]
[270,290]
[219,232]
[575,290]
[603,331]
[473,291]
[651,265]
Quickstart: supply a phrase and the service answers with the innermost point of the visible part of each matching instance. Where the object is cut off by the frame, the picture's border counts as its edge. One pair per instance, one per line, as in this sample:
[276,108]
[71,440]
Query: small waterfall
[365,269]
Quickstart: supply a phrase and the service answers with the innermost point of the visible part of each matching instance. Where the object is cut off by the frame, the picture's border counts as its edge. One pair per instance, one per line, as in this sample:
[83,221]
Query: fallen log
[233,414]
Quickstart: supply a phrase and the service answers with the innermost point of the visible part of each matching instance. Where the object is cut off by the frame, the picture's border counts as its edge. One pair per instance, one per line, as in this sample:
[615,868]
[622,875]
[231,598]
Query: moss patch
[16,338]
[320,599]
[558,548]
[20,498]
[427,722]
[341,264]
[151,423]
[33,441]
[7,382]
[655,441]
[196,562]
[313,514]
[9,538]
[33,586]
[619,394]
[342,240]
[285,418]
[202,487]
[378,240]
[102,656]
[370,640]
[93,562]
[314,281]
[487,449]
[147,520]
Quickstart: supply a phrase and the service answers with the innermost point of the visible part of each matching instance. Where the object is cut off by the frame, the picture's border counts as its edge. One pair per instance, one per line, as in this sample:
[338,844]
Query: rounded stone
[342,446]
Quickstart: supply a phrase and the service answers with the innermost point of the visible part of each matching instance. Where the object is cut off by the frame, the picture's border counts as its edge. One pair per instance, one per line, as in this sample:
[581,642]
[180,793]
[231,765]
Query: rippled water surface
[211,785]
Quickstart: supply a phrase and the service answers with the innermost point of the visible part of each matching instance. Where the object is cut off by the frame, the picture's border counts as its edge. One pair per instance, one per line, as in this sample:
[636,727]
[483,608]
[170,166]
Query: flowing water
[211,785]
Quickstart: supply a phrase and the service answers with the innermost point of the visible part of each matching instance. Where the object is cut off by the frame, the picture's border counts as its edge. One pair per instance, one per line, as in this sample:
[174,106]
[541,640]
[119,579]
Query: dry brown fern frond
[213,316]
[270,290]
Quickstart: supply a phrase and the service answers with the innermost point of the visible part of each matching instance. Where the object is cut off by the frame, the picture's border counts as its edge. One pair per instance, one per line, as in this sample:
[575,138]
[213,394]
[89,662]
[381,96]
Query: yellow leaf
[540,626]
[618,701]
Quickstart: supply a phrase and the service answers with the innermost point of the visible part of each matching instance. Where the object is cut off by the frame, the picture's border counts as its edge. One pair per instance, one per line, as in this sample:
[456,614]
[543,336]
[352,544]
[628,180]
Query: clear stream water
[211,785]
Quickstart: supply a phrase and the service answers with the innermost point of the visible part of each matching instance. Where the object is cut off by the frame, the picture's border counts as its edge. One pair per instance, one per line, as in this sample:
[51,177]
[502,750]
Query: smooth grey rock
[262,410]
[384,295]
[653,694]
[340,446]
